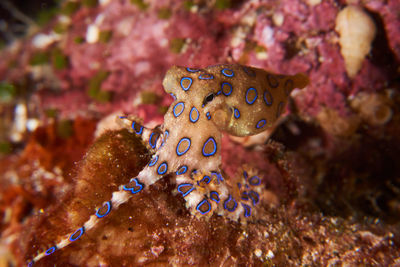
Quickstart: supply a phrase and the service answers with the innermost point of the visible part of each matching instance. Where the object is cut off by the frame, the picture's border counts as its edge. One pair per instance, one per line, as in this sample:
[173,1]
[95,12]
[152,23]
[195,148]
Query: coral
[329,173]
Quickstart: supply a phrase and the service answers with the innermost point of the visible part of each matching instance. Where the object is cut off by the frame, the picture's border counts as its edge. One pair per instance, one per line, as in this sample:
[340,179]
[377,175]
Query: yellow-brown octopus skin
[235,99]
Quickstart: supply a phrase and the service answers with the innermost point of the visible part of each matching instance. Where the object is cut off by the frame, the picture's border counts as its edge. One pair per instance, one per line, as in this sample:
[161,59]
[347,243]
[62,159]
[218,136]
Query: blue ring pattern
[256,182]
[206,76]
[247,210]
[190,83]
[179,113]
[211,139]
[81,230]
[254,199]
[50,250]
[249,71]
[140,130]
[214,196]
[177,147]
[180,171]
[132,189]
[255,97]
[153,161]
[267,95]
[204,201]
[226,204]
[108,203]
[208,115]
[190,115]
[184,194]
[222,88]
[261,123]
[207,178]
[227,74]
[153,145]
[272,81]
[236,113]
[279,110]
[173,96]
[165,165]
[192,70]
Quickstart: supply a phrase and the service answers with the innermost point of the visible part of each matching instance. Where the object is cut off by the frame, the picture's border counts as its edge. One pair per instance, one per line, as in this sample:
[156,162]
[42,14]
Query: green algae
[90,3]
[79,40]
[39,58]
[95,87]
[70,8]
[140,4]
[188,4]
[7,92]
[105,36]
[65,129]
[59,60]
[149,98]
[5,147]
[176,45]
[164,13]
[222,4]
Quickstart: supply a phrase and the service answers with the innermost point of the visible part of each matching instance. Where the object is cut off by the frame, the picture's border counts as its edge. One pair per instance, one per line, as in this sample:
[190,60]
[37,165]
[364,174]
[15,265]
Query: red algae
[331,183]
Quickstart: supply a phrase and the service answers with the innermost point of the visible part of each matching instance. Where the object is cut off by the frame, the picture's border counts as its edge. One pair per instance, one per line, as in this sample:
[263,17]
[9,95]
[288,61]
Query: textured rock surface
[332,182]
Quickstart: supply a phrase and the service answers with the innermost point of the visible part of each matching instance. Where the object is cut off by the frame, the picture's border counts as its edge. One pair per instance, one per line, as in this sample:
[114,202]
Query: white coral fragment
[357,31]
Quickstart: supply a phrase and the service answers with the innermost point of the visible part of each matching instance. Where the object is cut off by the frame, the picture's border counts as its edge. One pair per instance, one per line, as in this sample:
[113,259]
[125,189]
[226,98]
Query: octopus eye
[208,99]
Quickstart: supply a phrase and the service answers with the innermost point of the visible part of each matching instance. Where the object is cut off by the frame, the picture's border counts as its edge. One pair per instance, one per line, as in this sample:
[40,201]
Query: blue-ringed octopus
[235,99]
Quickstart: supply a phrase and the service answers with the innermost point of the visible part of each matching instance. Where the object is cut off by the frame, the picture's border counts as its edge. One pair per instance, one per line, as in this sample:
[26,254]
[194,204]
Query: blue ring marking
[245,196]
[31,263]
[215,147]
[206,76]
[173,111]
[239,185]
[161,165]
[222,87]
[245,175]
[206,177]
[219,176]
[226,74]
[108,203]
[272,80]
[187,87]
[249,71]
[219,92]
[247,93]
[236,113]
[208,116]
[214,196]
[288,86]
[132,189]
[226,204]
[122,117]
[192,70]
[261,123]
[201,204]
[166,134]
[177,147]
[190,115]
[279,111]
[50,250]
[183,169]
[81,230]
[184,194]
[247,210]
[140,130]
[155,141]
[256,182]
[267,95]
[255,199]
[153,161]
[173,96]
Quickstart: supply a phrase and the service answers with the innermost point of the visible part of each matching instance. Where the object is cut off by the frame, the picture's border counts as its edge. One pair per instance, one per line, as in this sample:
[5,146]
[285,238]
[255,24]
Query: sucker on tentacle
[236,99]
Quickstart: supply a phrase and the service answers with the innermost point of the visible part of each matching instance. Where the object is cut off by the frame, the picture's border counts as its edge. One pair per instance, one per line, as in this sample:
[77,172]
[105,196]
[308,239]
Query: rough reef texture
[332,182]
